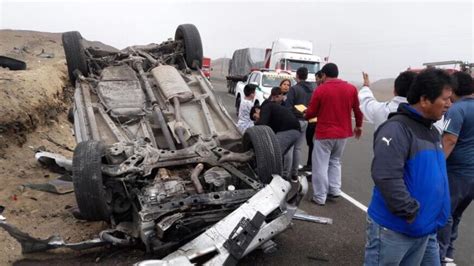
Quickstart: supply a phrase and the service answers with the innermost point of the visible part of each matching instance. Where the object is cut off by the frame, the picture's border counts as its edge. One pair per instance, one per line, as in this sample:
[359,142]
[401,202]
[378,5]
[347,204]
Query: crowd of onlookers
[423,165]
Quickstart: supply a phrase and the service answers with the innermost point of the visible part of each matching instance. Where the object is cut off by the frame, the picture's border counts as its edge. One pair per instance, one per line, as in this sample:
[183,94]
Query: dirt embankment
[35,96]
[33,105]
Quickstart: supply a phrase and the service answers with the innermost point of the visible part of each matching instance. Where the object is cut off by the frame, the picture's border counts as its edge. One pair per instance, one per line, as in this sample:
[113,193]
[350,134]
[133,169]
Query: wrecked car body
[160,159]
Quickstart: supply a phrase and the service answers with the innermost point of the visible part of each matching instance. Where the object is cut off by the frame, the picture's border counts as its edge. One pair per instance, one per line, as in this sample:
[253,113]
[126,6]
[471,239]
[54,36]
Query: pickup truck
[265,79]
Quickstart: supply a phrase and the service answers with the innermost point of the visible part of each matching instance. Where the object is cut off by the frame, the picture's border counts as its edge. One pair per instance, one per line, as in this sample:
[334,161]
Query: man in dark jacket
[410,200]
[298,95]
[311,128]
[281,120]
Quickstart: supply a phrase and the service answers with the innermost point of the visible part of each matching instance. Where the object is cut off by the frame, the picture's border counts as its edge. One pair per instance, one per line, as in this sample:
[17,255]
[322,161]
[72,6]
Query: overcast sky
[380,37]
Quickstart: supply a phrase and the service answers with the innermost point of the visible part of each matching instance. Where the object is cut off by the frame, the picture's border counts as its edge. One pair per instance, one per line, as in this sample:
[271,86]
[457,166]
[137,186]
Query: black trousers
[309,140]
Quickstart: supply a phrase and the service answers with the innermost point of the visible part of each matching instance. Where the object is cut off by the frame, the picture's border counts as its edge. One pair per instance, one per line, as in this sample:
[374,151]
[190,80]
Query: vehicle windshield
[273,80]
[293,65]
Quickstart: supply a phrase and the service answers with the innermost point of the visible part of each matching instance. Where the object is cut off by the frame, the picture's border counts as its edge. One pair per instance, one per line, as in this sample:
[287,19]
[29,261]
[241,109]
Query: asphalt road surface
[341,243]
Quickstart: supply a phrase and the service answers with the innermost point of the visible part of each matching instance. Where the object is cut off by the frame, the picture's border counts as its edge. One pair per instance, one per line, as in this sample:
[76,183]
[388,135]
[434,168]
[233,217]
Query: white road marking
[354,201]
[350,199]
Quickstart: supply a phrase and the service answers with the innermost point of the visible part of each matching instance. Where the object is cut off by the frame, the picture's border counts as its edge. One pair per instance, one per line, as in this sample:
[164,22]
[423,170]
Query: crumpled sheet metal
[304,216]
[31,244]
[274,195]
[55,162]
[61,185]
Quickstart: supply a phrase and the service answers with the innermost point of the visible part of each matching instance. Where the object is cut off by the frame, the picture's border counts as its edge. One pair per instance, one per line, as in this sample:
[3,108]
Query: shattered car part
[303,216]
[61,185]
[55,162]
[242,231]
[161,160]
[30,244]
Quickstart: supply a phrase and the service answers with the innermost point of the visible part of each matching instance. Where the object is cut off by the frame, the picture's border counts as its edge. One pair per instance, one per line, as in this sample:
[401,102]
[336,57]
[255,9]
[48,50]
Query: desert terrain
[33,108]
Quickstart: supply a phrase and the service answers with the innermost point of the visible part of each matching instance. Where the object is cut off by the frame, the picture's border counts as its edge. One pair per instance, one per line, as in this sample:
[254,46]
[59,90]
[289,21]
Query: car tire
[91,195]
[268,158]
[189,35]
[75,54]
[11,63]
[238,100]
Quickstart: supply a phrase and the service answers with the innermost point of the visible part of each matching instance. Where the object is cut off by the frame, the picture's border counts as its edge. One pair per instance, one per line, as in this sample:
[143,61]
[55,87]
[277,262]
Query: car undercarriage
[161,161]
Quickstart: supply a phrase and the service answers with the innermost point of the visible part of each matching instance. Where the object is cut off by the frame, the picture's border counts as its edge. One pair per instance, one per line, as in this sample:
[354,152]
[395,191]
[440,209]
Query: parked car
[160,159]
[265,80]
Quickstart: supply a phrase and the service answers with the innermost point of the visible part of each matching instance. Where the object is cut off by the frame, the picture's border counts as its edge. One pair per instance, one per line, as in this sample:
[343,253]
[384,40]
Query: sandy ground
[34,100]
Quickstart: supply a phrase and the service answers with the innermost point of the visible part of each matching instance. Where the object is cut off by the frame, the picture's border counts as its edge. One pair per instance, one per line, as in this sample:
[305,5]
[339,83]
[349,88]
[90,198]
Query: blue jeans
[295,154]
[287,140]
[387,247]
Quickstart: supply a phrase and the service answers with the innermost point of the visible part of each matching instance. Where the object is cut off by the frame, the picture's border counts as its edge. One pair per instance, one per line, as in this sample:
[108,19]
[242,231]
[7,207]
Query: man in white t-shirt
[247,103]
[377,112]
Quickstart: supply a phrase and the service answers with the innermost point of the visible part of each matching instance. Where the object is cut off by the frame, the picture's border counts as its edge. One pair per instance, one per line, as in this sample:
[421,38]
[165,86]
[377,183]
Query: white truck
[289,55]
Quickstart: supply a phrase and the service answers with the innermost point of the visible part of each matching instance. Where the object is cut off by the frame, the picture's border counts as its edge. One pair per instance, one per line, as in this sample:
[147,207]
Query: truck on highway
[289,55]
[242,63]
[206,67]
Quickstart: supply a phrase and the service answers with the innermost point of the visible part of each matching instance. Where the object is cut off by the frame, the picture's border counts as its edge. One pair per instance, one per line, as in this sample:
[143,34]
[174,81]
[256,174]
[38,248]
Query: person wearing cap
[332,103]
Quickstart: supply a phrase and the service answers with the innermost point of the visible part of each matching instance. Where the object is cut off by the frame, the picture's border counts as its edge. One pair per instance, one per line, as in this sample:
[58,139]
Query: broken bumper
[242,231]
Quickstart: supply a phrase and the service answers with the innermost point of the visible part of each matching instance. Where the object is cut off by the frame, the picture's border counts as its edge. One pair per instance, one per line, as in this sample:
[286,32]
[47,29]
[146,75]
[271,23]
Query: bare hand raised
[365,76]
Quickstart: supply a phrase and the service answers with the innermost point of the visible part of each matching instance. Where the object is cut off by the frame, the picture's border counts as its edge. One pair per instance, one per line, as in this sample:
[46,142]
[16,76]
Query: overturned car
[160,159]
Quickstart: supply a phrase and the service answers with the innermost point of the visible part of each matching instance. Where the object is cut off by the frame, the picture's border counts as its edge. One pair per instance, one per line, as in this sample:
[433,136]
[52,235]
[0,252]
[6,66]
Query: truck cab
[289,55]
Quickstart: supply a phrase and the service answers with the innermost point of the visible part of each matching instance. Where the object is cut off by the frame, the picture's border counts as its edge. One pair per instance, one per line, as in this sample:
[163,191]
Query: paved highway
[343,242]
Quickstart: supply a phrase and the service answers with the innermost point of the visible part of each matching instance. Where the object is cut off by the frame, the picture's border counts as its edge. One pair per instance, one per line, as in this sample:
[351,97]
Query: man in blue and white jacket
[410,200]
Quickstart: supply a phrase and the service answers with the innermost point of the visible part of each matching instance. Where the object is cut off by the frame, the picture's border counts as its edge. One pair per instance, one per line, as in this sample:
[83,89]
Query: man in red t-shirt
[332,104]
